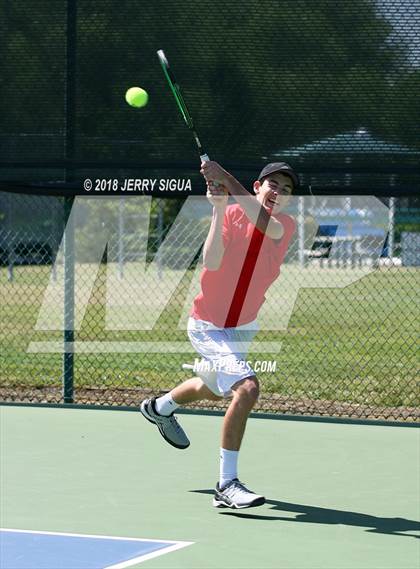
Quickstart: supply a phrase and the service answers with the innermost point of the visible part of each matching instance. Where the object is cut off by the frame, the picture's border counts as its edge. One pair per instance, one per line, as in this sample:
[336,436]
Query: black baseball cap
[281,167]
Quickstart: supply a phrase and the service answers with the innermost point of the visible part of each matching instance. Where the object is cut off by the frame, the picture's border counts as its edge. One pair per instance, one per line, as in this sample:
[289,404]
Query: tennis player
[242,255]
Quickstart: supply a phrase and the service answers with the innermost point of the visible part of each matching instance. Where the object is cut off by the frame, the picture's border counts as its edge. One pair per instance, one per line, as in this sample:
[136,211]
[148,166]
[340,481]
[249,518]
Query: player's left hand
[213,172]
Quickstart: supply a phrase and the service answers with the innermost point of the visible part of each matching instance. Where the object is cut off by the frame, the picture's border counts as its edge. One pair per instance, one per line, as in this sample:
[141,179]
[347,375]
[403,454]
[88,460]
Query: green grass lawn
[355,344]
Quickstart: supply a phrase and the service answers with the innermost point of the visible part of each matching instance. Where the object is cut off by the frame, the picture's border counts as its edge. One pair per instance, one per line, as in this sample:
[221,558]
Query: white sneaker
[236,495]
[168,426]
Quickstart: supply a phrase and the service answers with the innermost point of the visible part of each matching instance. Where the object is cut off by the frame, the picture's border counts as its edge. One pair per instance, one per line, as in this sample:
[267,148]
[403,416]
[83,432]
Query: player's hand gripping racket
[176,91]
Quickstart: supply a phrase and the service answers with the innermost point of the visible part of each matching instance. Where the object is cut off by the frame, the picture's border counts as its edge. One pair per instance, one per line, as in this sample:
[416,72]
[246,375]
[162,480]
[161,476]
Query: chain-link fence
[338,330]
[330,86]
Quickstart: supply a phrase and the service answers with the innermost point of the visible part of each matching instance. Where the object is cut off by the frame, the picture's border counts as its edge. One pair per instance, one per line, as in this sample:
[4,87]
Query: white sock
[228,466]
[165,405]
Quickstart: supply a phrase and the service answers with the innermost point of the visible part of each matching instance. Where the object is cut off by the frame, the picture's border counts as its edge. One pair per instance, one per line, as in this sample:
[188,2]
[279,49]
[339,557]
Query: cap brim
[289,173]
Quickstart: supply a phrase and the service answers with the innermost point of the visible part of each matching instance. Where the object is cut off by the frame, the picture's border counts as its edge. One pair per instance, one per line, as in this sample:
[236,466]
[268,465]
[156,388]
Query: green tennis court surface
[339,495]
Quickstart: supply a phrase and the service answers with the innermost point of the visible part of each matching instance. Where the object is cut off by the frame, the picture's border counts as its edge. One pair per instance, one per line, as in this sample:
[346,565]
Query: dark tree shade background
[261,77]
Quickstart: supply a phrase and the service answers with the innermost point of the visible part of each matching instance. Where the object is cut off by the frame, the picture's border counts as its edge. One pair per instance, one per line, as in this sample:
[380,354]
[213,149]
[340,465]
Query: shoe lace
[235,487]
[175,424]
[172,419]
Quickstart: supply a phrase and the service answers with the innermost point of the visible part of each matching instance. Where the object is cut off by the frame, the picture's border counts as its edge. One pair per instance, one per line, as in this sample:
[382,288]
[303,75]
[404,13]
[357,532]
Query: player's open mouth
[271,202]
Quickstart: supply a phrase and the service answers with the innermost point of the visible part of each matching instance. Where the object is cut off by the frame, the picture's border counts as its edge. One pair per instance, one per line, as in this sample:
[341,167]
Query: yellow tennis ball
[136,97]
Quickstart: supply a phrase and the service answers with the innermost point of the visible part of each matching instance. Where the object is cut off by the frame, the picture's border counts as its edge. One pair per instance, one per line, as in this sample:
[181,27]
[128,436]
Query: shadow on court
[315,515]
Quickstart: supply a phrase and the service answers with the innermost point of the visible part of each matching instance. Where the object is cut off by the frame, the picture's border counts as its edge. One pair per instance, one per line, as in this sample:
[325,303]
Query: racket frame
[180,101]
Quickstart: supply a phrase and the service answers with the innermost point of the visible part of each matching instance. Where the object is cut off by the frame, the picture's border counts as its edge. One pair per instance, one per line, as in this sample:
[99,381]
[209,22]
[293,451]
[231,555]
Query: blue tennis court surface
[22,549]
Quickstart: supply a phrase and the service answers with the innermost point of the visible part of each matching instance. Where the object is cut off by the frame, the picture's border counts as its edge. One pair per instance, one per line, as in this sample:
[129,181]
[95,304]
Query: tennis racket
[176,91]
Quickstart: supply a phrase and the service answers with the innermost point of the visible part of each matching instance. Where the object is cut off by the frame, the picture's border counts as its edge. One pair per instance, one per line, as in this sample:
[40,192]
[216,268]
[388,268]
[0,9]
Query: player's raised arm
[214,249]
[252,207]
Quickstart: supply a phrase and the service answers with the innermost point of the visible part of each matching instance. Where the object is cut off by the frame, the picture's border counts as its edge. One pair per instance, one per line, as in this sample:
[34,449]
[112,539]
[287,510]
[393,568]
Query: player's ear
[257,186]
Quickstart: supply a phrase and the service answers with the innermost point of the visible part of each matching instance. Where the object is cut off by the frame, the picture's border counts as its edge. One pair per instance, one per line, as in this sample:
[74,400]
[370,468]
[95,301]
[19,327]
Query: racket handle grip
[205,158]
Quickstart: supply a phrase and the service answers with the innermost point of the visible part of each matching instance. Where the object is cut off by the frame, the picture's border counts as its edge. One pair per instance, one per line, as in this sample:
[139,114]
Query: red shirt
[233,295]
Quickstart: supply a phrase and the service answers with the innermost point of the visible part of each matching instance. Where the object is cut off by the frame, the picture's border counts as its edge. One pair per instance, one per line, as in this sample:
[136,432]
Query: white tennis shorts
[223,352]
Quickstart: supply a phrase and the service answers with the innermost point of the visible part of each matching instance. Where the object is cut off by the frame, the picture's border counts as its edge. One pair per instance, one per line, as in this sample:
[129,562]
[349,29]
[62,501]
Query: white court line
[175,544]
[142,558]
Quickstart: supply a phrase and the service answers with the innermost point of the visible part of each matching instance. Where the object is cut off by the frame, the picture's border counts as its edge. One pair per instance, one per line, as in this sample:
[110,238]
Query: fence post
[68,320]
[68,237]
[391,228]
